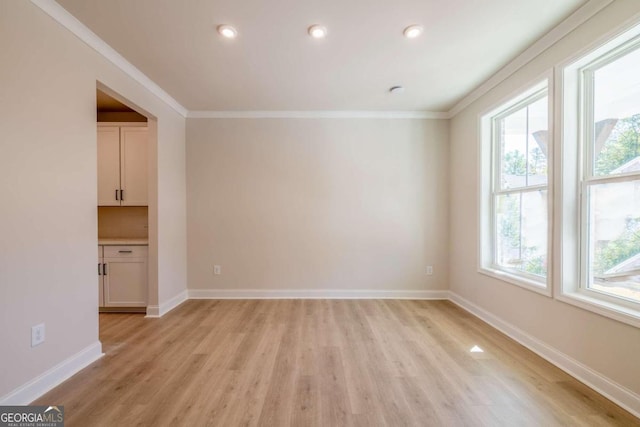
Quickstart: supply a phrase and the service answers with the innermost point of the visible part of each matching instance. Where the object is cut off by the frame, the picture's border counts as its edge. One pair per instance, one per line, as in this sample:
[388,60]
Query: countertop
[123,241]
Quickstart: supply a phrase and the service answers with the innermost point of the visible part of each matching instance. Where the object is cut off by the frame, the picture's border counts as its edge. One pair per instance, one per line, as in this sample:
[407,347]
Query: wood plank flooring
[321,363]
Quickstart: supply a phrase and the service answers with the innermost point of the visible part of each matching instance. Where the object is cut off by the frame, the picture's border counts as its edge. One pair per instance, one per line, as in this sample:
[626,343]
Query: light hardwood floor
[321,363]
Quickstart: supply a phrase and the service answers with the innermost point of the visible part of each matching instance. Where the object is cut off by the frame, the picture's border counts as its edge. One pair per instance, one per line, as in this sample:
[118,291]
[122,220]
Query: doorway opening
[126,205]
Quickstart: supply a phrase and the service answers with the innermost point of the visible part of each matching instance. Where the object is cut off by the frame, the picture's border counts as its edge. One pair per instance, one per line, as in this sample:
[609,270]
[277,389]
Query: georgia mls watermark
[31,416]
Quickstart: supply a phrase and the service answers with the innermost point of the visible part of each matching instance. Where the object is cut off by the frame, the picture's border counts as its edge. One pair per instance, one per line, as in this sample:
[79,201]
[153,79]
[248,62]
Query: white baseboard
[314,294]
[153,311]
[617,393]
[167,306]
[35,388]
[613,391]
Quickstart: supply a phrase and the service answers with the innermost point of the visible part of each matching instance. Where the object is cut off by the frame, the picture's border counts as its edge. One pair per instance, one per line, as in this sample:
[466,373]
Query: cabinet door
[108,166]
[133,166]
[100,279]
[125,284]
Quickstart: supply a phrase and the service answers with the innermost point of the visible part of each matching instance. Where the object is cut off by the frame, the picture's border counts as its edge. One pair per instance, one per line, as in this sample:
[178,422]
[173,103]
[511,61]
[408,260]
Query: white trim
[602,44]
[154,311]
[600,306]
[488,176]
[613,391]
[543,288]
[326,114]
[27,393]
[573,178]
[576,19]
[71,23]
[315,294]
[617,393]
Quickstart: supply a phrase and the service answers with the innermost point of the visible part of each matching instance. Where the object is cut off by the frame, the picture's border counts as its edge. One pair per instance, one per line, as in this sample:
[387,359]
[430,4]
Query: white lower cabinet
[123,276]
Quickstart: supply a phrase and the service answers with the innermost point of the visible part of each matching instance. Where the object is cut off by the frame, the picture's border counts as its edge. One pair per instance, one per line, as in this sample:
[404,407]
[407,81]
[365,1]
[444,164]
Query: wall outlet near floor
[37,335]
[217,270]
[429,270]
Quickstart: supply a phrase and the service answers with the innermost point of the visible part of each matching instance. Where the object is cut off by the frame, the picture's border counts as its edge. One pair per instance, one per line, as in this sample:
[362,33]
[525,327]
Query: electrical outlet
[37,335]
[429,270]
[217,270]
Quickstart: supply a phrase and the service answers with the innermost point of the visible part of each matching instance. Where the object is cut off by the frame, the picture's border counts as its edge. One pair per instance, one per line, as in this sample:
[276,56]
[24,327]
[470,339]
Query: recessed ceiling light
[317,31]
[227,31]
[412,31]
[396,90]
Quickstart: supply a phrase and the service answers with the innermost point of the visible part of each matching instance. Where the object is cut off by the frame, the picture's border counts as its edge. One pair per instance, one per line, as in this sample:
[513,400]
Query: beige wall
[606,346]
[317,204]
[48,228]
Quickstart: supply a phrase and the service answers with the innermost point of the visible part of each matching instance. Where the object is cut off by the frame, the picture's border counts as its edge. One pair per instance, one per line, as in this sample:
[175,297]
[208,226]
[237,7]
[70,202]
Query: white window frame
[489,187]
[575,150]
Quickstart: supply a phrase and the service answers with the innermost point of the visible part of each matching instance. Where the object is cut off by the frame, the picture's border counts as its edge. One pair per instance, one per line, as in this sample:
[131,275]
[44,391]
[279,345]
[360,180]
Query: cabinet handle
[99,271]
[116,194]
[125,252]
[121,194]
[104,269]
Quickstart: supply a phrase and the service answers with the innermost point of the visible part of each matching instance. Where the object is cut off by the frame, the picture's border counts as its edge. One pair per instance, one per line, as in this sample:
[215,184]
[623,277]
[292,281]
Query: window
[515,170]
[610,259]
[602,114]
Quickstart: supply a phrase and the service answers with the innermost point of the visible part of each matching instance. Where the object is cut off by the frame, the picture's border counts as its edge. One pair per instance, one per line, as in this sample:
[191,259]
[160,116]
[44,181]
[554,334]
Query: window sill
[513,279]
[611,310]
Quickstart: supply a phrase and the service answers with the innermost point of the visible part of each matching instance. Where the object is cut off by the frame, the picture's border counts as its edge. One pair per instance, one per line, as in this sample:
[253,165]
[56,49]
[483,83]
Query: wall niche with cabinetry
[123,228]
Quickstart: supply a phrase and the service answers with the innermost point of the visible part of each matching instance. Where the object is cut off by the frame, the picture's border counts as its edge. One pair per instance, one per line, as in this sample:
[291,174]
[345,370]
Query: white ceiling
[275,65]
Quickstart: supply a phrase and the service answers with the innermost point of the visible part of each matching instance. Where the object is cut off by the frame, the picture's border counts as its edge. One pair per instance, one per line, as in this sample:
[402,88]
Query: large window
[590,215]
[600,217]
[516,168]
[610,261]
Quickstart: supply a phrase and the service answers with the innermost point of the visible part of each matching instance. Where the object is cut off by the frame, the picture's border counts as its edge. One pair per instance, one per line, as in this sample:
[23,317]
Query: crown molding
[576,19]
[71,23]
[324,114]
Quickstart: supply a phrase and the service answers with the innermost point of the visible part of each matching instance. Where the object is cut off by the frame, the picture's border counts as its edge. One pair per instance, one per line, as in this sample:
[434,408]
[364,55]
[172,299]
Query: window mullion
[588,125]
[587,149]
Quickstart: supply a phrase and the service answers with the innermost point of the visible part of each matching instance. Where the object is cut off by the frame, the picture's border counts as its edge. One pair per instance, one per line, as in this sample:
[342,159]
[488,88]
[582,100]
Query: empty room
[320,213]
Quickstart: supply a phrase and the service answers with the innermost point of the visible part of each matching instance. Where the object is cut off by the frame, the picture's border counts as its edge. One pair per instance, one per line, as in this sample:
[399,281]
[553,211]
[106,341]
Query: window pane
[614,239]
[523,146]
[538,134]
[617,116]
[521,232]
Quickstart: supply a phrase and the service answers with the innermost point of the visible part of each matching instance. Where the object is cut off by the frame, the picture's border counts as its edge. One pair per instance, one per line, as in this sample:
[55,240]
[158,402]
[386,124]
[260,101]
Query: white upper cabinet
[108,166]
[122,165]
[133,166]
